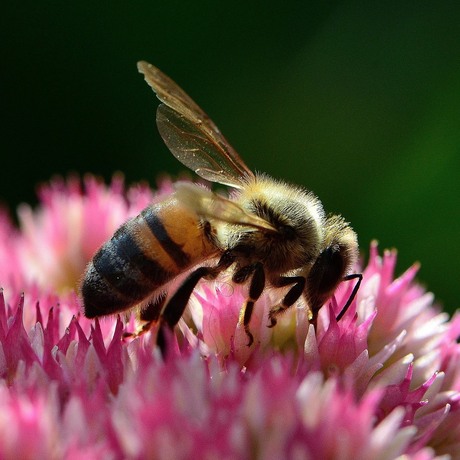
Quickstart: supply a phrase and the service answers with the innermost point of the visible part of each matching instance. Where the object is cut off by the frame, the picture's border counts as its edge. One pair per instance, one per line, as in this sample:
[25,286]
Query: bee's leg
[152,311]
[149,315]
[353,276]
[176,305]
[256,288]
[290,298]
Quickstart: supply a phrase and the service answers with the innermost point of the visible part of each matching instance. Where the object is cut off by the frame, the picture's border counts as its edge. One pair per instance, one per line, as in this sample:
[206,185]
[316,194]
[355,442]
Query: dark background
[357,100]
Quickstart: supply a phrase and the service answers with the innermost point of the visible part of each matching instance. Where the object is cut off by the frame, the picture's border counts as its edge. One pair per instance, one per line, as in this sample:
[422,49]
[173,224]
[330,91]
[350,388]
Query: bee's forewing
[191,135]
[212,206]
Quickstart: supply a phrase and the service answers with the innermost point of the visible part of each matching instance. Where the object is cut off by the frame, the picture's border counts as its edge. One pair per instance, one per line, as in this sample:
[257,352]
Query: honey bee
[269,233]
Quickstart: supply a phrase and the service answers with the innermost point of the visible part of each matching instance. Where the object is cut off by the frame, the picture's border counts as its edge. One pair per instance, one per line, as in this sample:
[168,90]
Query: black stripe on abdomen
[99,297]
[120,276]
[157,228]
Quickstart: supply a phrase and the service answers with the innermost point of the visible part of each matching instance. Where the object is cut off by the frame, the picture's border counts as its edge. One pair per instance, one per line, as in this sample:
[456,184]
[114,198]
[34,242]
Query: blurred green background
[357,100]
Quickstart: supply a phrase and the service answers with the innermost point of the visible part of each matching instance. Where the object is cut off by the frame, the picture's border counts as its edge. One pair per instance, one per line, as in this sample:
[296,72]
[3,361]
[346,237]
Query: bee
[268,233]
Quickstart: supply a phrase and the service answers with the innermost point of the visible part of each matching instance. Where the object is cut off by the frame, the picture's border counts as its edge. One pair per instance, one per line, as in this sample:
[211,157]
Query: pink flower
[381,383]
[74,219]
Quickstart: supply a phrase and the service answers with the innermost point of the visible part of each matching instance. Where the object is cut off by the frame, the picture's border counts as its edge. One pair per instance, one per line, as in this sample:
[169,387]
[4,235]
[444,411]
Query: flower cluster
[381,383]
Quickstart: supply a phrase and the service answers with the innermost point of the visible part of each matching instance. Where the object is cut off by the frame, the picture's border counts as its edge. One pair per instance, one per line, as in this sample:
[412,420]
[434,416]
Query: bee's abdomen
[143,254]
[120,275]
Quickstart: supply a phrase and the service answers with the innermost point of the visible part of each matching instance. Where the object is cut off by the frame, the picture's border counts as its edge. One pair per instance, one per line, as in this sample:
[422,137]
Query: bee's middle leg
[256,288]
[290,298]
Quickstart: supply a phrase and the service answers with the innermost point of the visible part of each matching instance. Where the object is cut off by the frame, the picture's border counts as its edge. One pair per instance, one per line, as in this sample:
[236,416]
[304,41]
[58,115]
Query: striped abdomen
[143,254]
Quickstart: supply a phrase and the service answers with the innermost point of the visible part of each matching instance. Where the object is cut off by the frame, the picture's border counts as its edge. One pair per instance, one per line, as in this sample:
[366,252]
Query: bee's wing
[191,135]
[212,206]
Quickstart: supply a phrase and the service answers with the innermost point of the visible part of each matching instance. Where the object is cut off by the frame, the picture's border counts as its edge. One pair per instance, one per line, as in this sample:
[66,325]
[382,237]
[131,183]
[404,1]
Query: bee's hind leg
[175,307]
[149,316]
